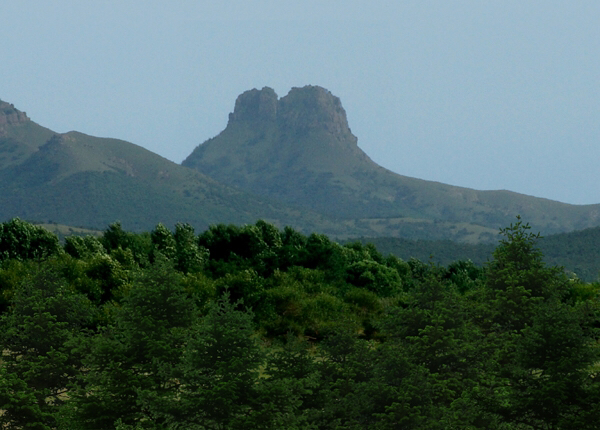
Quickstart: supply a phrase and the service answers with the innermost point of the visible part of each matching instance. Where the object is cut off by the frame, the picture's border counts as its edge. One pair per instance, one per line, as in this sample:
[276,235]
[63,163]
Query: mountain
[81,180]
[291,161]
[299,150]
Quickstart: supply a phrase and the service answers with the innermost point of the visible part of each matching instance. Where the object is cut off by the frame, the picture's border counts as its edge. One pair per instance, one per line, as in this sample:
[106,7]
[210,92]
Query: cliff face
[19,136]
[9,115]
[255,105]
[306,130]
[302,110]
[313,107]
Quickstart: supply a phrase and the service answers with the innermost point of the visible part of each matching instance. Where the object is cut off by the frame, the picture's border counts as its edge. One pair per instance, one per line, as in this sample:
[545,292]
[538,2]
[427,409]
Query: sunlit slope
[300,150]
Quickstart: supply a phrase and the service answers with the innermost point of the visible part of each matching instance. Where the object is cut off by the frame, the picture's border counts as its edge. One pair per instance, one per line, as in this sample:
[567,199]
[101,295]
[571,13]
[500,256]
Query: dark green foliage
[464,274]
[82,247]
[551,384]
[519,280]
[20,240]
[253,327]
[163,241]
[577,251]
[126,358]
[217,375]
[38,364]
[12,274]
[293,248]
[109,274]
[234,248]
[376,277]
[116,240]
[188,256]
[245,285]
[442,252]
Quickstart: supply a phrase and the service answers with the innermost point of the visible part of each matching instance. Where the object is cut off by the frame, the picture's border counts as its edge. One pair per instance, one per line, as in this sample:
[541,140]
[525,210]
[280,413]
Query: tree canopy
[254,327]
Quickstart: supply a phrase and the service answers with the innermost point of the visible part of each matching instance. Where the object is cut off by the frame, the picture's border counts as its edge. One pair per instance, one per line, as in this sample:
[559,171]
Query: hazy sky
[481,94]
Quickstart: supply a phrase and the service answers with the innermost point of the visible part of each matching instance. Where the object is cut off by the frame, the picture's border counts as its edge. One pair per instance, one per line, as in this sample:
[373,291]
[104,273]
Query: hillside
[19,136]
[300,150]
[81,180]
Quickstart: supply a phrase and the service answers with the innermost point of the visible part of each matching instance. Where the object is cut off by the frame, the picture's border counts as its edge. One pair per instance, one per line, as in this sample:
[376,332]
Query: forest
[254,327]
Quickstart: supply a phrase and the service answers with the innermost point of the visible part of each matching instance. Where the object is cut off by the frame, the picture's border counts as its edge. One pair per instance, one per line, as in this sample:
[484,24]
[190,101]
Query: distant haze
[486,95]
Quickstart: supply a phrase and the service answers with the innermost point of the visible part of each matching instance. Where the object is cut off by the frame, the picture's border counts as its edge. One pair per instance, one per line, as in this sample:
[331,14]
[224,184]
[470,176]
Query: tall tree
[36,340]
[215,385]
[22,240]
[124,359]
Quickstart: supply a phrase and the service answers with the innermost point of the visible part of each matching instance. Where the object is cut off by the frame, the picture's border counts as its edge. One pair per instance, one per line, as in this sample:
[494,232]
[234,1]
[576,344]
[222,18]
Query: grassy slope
[20,141]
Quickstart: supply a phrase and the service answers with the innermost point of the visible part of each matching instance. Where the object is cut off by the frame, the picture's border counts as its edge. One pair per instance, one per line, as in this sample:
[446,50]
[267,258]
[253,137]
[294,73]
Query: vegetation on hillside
[578,251]
[256,327]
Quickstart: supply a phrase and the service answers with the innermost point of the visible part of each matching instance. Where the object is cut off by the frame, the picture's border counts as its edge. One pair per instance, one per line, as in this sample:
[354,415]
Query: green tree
[216,382]
[189,256]
[163,241]
[83,247]
[433,331]
[123,361]
[246,286]
[518,279]
[12,274]
[374,276]
[544,345]
[36,339]
[293,248]
[115,239]
[293,364]
[22,241]
[552,381]
[109,275]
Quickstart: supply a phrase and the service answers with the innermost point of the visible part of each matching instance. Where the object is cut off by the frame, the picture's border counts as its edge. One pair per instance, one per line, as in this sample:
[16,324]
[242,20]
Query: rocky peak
[303,109]
[312,107]
[255,105]
[9,115]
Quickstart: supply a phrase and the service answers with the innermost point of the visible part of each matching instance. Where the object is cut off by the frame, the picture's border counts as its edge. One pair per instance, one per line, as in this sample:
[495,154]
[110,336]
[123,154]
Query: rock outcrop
[9,115]
[303,109]
[312,107]
[255,105]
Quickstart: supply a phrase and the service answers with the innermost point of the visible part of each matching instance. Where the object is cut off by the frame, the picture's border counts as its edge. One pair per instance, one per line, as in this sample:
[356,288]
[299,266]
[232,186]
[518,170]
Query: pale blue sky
[481,94]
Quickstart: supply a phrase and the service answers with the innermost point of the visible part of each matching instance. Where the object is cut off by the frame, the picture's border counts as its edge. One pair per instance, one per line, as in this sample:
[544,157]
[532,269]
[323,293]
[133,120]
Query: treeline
[578,251]
[439,252]
[256,327]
